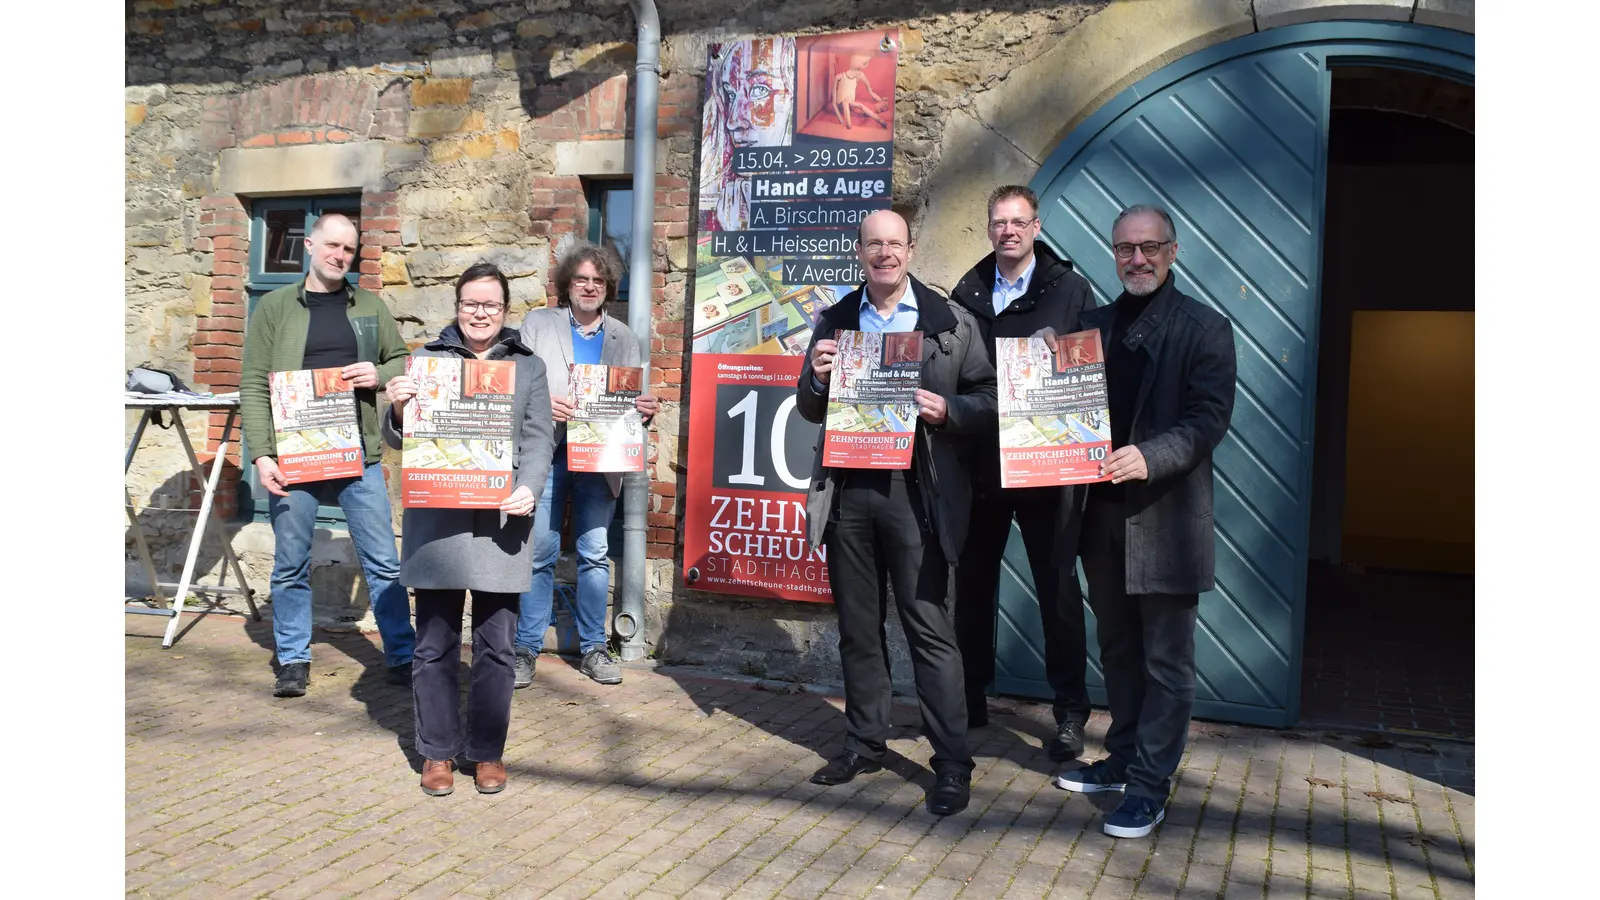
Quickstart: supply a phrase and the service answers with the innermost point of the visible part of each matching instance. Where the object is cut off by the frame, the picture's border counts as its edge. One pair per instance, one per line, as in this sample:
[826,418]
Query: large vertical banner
[796,149]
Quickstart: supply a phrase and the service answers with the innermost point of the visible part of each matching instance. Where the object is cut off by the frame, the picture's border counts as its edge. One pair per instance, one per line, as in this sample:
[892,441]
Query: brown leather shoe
[490,777]
[438,777]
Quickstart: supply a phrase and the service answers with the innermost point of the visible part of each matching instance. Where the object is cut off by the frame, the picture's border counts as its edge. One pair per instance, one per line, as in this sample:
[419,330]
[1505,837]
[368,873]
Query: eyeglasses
[488,309]
[1148,248]
[1018,224]
[583,280]
[895,247]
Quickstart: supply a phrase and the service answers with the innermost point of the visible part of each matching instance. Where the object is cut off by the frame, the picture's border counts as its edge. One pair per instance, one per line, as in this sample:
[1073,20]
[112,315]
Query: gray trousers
[1146,654]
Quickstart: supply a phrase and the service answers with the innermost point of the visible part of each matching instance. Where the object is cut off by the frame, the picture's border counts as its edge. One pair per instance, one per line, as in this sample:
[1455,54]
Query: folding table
[153,406]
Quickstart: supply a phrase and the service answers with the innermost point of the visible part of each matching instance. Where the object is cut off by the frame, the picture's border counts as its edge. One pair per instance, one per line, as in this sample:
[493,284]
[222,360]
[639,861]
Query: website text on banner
[796,149]
[314,420]
[1055,417]
[456,444]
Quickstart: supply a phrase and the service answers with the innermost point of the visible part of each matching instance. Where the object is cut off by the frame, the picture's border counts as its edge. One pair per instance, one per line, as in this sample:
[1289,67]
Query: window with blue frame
[611,222]
[278,228]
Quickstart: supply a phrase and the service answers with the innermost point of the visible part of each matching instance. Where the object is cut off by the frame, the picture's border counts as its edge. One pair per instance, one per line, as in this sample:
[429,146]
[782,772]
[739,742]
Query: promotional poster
[872,410]
[314,419]
[606,432]
[796,149]
[1055,420]
[456,442]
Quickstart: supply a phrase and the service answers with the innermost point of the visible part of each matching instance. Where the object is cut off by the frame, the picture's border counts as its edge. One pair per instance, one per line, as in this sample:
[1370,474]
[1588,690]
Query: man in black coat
[900,527]
[1147,544]
[1014,292]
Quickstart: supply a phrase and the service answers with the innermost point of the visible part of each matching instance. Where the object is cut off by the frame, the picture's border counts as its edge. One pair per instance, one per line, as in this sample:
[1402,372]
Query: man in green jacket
[324,322]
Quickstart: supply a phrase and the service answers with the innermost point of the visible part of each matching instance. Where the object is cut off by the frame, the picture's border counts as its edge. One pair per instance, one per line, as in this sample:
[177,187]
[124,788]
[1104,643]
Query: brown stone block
[371,267]
[295,137]
[441,92]
[261,140]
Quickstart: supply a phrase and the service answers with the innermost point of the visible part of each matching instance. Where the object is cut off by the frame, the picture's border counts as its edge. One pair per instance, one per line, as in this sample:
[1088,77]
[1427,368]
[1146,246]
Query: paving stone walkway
[677,783]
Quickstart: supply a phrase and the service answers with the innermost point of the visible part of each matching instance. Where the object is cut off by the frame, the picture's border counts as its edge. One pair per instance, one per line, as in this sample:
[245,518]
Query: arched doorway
[1234,141]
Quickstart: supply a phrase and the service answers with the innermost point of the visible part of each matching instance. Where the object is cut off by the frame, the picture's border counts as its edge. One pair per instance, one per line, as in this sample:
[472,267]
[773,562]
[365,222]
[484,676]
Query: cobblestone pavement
[676,784]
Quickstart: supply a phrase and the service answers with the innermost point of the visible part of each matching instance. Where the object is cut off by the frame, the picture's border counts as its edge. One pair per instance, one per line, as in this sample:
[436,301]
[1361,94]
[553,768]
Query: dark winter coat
[1056,297]
[1181,413]
[953,366]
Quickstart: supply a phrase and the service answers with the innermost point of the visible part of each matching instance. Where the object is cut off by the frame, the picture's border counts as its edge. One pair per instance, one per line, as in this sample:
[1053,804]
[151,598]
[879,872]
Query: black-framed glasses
[1148,248]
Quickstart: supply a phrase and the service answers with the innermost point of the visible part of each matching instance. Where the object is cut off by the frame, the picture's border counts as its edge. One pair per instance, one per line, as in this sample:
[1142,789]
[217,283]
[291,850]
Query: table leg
[200,527]
[133,520]
[222,537]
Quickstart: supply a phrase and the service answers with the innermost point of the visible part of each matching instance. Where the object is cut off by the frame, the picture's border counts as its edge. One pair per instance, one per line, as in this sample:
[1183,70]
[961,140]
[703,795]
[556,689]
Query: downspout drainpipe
[628,619]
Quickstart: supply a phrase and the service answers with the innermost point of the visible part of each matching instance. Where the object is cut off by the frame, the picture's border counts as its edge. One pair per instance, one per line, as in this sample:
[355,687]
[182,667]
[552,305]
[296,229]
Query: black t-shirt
[330,341]
[1124,371]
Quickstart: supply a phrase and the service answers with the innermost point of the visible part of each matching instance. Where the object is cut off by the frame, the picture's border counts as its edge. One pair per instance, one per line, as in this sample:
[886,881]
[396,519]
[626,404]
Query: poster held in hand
[456,443]
[606,432]
[872,409]
[314,422]
[1055,417]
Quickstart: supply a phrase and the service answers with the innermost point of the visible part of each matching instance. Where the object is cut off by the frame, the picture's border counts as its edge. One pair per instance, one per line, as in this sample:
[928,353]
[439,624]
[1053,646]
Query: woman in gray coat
[447,552]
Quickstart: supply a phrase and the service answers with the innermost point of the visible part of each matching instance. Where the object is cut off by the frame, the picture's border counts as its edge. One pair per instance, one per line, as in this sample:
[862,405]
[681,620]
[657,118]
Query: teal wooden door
[1231,141]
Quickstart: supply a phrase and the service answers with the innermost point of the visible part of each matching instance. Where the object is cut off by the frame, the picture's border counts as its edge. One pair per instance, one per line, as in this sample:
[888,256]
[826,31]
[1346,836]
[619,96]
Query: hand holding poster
[1055,421]
[456,443]
[606,432]
[314,420]
[872,409]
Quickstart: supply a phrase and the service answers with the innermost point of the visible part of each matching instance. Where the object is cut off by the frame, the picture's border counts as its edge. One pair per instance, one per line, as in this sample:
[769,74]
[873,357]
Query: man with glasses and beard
[578,330]
[1147,544]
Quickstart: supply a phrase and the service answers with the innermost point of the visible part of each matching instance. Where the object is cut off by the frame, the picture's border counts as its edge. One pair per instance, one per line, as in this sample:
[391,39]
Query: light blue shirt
[904,317]
[1007,291]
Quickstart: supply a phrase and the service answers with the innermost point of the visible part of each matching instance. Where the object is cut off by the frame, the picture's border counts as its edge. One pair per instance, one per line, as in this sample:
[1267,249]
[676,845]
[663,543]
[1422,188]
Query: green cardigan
[275,341]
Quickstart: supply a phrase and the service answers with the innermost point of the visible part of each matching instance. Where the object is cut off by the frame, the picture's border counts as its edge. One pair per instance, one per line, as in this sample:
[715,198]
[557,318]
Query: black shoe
[1068,742]
[400,676]
[950,794]
[292,680]
[844,768]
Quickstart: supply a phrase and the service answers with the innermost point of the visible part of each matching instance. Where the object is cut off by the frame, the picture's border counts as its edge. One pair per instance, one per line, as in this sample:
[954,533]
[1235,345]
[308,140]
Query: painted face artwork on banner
[797,147]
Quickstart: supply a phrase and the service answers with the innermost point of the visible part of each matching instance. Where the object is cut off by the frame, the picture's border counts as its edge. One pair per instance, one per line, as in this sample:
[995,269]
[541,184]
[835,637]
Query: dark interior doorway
[1389,605]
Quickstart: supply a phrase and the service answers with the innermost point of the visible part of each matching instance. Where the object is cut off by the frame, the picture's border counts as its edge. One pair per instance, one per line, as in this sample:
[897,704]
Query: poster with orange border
[456,448]
[314,422]
[872,410]
[1055,417]
[606,432]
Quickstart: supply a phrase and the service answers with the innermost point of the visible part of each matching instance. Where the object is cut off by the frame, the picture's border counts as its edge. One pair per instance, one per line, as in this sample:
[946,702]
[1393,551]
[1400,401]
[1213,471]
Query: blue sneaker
[1090,779]
[1135,818]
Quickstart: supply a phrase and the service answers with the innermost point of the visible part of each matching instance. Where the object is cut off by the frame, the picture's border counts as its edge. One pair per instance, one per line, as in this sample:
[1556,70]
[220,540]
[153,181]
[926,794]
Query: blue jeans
[365,502]
[592,509]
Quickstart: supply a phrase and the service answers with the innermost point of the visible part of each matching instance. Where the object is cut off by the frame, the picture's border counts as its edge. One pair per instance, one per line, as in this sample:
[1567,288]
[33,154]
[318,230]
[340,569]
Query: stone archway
[1009,131]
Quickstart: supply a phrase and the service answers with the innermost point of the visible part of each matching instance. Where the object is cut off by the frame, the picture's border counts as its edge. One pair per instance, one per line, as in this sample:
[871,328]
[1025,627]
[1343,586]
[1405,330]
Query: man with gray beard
[1147,543]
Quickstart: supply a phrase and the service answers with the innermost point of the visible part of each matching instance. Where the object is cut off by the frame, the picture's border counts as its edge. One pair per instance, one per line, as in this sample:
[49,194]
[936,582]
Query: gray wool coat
[482,549]
[548,332]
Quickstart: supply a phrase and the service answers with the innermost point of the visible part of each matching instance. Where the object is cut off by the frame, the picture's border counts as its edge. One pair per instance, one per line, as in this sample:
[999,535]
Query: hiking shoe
[292,679]
[1090,779]
[400,676]
[1068,742]
[600,665]
[1135,818]
[526,661]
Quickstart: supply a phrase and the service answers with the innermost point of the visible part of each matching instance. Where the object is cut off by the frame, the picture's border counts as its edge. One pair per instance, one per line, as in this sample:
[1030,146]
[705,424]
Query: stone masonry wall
[457,123]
